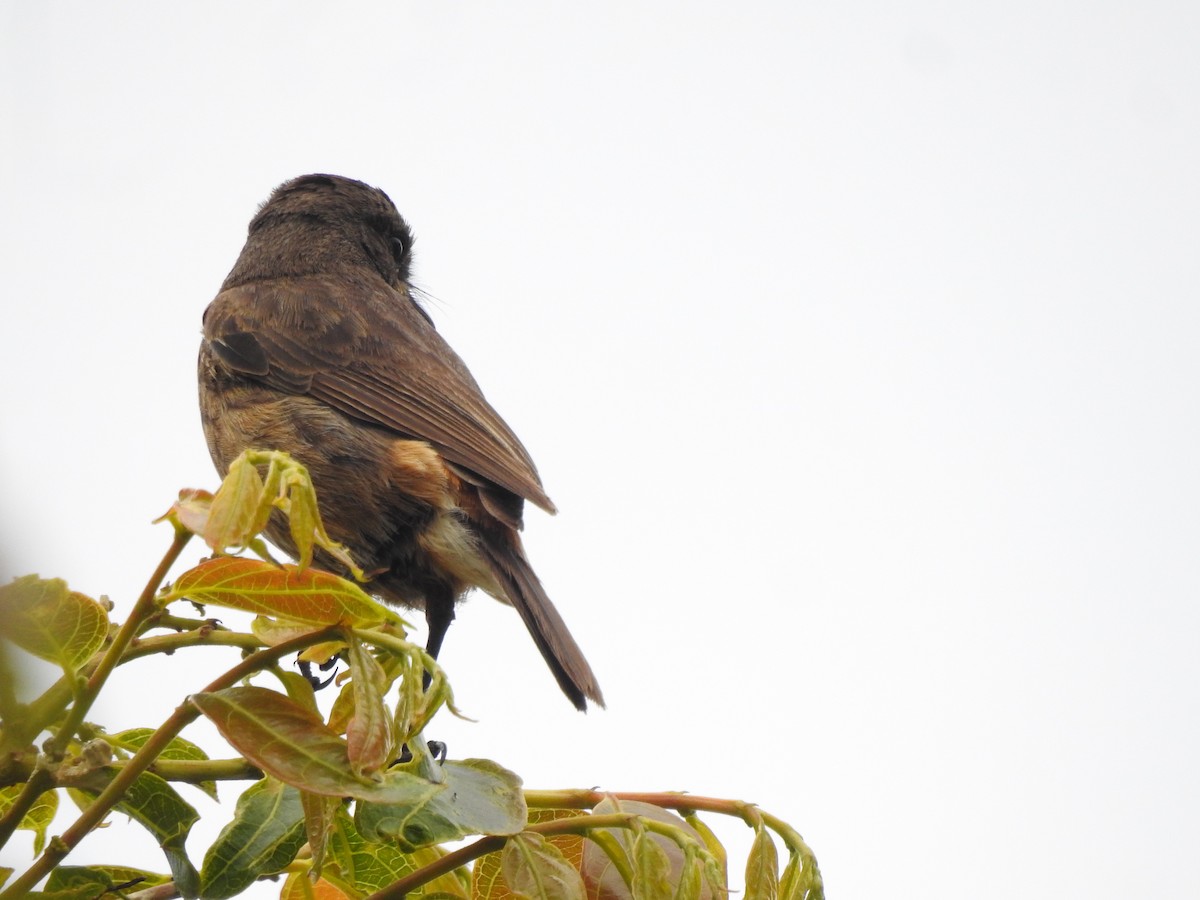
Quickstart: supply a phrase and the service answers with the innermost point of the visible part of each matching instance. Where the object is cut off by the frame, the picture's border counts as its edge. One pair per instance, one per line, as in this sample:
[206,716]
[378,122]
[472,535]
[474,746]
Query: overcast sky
[856,343]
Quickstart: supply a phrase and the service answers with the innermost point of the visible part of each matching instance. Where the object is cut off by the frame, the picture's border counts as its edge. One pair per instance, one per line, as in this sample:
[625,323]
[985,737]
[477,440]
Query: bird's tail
[549,631]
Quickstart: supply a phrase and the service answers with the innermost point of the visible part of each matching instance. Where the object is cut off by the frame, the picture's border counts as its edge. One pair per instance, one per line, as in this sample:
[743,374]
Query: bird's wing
[374,357]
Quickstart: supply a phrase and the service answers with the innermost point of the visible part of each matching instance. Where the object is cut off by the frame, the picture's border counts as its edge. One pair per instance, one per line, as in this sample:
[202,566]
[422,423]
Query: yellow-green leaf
[39,816]
[714,847]
[762,867]
[239,510]
[369,729]
[46,619]
[801,879]
[651,868]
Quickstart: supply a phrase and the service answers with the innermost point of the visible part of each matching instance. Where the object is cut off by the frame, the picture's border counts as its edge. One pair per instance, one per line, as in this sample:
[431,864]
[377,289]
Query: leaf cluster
[347,803]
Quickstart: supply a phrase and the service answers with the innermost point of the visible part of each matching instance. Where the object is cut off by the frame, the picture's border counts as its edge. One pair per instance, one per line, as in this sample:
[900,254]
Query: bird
[316,345]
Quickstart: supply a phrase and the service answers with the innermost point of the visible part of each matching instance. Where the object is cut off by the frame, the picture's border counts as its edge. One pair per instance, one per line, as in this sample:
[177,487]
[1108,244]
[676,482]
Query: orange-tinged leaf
[299,887]
[46,619]
[190,511]
[293,744]
[280,736]
[309,596]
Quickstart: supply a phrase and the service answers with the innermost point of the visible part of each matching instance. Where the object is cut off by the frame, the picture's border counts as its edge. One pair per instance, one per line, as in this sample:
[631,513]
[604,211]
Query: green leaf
[476,796]
[68,878]
[534,868]
[46,619]
[179,748]
[39,817]
[266,833]
[762,867]
[158,808]
[310,596]
[366,866]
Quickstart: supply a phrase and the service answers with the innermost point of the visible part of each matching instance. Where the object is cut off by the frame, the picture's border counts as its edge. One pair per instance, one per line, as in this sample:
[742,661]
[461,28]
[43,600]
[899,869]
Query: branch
[183,715]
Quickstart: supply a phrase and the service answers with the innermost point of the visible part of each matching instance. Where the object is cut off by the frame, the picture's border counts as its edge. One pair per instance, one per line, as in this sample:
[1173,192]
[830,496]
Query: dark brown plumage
[315,346]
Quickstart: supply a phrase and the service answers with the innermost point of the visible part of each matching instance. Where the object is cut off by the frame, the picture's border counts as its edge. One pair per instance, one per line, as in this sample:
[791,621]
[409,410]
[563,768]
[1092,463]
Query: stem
[580,825]
[681,803]
[145,757]
[197,771]
[169,643]
[164,619]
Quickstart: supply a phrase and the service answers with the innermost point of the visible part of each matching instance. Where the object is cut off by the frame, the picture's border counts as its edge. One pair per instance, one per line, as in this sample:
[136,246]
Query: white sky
[857,344]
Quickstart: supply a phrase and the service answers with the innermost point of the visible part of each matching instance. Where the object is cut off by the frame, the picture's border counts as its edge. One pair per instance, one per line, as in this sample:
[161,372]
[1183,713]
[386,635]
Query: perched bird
[316,346]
